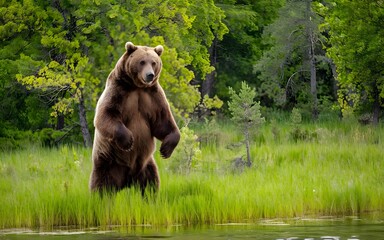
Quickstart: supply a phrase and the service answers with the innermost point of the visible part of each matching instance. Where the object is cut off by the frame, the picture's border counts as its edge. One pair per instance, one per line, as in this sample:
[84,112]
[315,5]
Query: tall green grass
[340,172]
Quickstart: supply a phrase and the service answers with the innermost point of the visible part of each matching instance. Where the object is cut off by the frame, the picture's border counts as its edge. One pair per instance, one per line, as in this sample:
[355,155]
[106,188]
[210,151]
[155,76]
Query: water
[265,231]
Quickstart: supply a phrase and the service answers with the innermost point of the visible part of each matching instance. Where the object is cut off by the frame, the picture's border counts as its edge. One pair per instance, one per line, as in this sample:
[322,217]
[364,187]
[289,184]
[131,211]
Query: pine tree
[245,113]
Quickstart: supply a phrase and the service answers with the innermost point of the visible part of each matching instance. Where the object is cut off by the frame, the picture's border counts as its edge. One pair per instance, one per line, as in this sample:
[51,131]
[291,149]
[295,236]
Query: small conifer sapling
[245,113]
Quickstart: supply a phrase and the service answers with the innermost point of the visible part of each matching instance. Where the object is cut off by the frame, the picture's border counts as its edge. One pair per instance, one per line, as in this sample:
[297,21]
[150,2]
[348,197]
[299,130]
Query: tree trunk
[60,121]
[312,62]
[376,107]
[335,82]
[60,116]
[249,163]
[315,110]
[207,86]
[83,122]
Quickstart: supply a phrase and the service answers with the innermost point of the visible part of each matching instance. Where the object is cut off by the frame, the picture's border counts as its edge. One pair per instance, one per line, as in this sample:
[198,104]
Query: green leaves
[19,17]
[295,40]
[175,79]
[63,51]
[241,47]
[187,156]
[357,49]
[245,111]
[62,82]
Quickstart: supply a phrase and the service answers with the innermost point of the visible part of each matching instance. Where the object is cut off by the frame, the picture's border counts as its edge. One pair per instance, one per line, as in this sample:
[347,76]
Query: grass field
[334,170]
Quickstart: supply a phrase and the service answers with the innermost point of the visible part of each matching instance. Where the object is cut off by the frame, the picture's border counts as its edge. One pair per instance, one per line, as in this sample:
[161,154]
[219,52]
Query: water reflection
[272,231]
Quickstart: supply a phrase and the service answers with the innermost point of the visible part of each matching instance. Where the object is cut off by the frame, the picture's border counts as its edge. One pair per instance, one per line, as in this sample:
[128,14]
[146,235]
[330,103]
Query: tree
[19,111]
[245,113]
[357,49]
[65,84]
[295,54]
[241,47]
[64,50]
[65,74]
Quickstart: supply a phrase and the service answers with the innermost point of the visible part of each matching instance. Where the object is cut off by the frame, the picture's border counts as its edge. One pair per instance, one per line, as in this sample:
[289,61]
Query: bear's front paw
[169,144]
[126,145]
[124,139]
[165,151]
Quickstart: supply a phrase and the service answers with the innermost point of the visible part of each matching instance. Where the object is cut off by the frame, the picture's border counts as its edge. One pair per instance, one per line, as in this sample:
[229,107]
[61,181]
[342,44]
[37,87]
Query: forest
[324,58]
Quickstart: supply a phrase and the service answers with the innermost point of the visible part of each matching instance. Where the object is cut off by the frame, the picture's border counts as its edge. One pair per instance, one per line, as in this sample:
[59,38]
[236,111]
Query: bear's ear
[130,47]
[159,50]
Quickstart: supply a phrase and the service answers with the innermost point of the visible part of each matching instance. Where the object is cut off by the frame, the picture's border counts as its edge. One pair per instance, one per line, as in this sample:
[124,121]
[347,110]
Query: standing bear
[132,111]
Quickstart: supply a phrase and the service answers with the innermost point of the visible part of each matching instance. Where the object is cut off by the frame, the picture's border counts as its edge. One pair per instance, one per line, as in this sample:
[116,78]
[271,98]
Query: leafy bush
[11,138]
[16,139]
[298,133]
[187,155]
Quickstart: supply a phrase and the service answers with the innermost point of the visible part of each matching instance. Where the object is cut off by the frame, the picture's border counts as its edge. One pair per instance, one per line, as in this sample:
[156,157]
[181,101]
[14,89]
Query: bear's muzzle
[149,77]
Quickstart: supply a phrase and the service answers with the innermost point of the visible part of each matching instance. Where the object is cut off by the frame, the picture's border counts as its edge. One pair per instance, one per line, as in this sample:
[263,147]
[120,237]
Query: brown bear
[132,111]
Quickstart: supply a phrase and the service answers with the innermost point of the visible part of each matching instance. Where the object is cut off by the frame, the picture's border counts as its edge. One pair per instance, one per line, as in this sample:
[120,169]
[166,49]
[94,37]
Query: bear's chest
[138,105]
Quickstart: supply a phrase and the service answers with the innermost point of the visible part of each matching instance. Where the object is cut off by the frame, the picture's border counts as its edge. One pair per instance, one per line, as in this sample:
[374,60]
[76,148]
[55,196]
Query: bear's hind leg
[149,177]
[108,177]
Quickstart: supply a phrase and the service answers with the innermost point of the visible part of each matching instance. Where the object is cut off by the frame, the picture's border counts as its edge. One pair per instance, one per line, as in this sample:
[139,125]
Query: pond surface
[269,230]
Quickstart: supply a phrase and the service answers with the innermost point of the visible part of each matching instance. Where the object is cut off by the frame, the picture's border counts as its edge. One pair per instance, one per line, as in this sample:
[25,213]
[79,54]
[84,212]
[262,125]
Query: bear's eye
[142,63]
[154,64]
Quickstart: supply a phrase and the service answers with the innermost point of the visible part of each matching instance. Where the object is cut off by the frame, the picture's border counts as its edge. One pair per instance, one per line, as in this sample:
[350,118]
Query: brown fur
[131,112]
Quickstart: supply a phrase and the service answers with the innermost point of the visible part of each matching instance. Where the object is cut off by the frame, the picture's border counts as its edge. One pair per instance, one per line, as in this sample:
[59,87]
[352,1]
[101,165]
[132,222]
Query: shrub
[187,155]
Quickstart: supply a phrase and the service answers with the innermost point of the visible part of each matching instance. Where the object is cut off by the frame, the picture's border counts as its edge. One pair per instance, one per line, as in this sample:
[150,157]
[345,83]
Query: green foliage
[175,80]
[284,70]
[237,53]
[357,50]
[212,103]
[209,105]
[296,116]
[49,137]
[64,51]
[298,133]
[56,55]
[245,111]
[206,27]
[17,34]
[187,155]
[63,82]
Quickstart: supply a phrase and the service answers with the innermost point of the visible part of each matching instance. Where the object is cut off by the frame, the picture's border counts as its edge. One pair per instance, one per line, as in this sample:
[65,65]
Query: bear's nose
[149,77]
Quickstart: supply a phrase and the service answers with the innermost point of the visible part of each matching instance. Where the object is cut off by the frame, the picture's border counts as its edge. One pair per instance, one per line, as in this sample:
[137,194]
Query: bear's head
[143,64]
